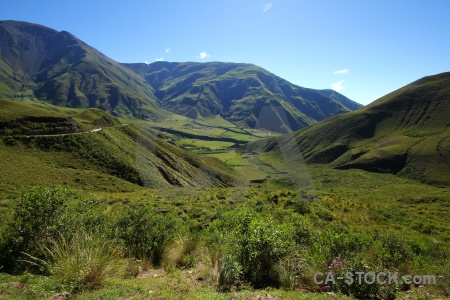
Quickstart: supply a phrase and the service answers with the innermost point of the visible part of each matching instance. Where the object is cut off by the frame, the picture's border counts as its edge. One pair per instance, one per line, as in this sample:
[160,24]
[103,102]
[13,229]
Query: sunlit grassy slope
[405,133]
[117,157]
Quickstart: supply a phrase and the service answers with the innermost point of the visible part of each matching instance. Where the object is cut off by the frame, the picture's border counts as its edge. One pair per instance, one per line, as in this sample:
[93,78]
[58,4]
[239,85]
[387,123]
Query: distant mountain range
[406,132]
[39,62]
[239,93]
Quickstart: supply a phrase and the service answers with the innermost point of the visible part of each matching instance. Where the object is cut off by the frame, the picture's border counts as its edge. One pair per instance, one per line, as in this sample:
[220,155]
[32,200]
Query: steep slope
[89,148]
[241,93]
[39,62]
[59,68]
[406,132]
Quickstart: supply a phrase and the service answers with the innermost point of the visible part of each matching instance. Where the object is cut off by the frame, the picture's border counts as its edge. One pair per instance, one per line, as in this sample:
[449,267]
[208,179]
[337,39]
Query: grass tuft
[82,262]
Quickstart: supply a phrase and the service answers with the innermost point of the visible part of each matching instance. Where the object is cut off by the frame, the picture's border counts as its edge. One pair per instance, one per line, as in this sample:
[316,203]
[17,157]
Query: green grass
[204,145]
[350,198]
[404,133]
[11,110]
[175,285]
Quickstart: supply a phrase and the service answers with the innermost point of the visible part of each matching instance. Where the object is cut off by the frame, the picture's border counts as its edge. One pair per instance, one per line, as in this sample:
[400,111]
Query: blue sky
[362,48]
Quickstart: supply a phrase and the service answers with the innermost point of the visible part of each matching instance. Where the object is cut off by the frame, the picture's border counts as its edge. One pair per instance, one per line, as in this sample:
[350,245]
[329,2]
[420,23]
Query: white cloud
[267,6]
[160,59]
[203,55]
[343,71]
[146,62]
[338,86]
[168,50]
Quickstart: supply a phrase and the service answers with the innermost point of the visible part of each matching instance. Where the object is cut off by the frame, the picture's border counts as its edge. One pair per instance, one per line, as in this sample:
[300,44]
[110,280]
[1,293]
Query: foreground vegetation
[57,240]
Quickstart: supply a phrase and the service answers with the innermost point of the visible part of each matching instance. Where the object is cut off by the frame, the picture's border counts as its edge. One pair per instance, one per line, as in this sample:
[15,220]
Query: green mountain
[405,132]
[244,94]
[89,149]
[56,67]
[36,61]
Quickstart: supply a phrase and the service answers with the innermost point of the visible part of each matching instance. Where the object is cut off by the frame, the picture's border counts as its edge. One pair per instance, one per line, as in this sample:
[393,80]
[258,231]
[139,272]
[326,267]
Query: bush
[10,141]
[392,251]
[303,231]
[262,245]
[363,289]
[229,271]
[36,219]
[348,250]
[338,241]
[84,214]
[248,246]
[301,207]
[144,233]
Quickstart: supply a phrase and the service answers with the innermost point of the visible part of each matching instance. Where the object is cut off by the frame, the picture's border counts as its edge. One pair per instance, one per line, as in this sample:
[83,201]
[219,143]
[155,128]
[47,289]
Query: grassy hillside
[36,61]
[405,133]
[89,149]
[243,94]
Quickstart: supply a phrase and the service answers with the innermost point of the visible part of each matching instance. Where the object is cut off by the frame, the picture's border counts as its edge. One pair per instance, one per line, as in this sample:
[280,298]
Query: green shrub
[301,207]
[263,244]
[36,219]
[229,271]
[249,245]
[349,250]
[10,141]
[144,233]
[338,241]
[391,250]
[362,289]
[303,231]
[84,214]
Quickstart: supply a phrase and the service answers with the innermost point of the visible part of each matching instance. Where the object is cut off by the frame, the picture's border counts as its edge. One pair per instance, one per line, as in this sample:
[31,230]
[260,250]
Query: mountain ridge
[93,143]
[405,133]
[238,92]
[57,67]
[60,68]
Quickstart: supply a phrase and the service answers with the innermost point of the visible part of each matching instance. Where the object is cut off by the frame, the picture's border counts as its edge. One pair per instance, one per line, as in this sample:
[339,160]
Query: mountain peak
[57,67]
[241,93]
